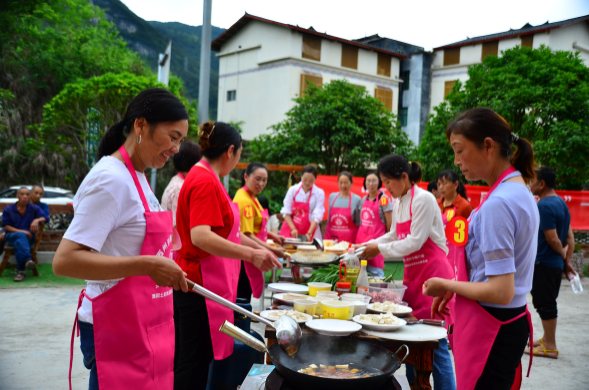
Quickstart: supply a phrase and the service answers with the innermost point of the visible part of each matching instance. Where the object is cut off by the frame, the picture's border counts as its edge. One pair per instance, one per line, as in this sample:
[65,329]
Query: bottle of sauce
[363,285]
[352,264]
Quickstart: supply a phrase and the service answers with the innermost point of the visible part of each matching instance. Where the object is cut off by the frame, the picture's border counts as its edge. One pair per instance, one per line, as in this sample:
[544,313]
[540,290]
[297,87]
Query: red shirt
[202,201]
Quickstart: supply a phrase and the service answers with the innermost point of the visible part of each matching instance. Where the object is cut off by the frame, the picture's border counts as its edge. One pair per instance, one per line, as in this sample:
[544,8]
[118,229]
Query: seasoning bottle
[363,285]
[352,265]
[343,288]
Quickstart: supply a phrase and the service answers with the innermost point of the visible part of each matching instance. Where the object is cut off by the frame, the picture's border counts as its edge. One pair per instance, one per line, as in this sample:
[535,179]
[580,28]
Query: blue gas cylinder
[229,373]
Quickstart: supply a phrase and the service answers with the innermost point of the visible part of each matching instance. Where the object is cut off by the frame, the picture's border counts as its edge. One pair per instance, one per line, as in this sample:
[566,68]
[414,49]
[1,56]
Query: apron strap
[332,203]
[296,193]
[411,202]
[208,168]
[254,198]
[131,169]
[181,176]
[74,334]
[506,173]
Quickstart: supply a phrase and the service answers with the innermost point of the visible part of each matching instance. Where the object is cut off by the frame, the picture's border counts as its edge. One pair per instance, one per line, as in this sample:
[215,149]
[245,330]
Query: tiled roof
[525,30]
[245,19]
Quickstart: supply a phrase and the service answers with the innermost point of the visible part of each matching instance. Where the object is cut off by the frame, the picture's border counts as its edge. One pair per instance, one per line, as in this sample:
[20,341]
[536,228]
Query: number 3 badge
[457,231]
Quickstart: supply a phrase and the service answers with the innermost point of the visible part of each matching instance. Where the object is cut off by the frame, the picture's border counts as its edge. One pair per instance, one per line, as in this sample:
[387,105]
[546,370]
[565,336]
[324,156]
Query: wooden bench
[9,251]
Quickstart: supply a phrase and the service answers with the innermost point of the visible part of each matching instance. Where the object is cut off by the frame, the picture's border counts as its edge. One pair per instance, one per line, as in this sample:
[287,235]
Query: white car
[52,195]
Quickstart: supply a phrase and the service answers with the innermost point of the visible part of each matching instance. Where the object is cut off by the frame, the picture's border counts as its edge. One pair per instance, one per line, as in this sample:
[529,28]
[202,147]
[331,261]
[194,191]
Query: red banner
[577,201]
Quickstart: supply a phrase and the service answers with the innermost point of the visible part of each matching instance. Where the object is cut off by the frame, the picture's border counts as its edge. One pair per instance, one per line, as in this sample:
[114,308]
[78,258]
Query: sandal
[30,265]
[20,277]
[544,352]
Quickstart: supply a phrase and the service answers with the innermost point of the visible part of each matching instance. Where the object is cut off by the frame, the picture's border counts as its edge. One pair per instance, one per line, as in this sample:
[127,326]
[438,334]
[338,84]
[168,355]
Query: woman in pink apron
[377,217]
[208,223]
[496,266]
[303,207]
[418,237]
[344,214]
[254,221]
[184,160]
[120,240]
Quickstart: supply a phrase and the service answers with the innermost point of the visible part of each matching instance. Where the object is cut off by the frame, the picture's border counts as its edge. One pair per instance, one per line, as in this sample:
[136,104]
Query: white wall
[438,86]
[541,39]
[506,44]
[471,54]
[563,39]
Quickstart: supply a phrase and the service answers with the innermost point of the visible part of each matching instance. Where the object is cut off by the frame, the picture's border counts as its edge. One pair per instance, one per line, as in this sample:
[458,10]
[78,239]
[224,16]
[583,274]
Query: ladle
[288,331]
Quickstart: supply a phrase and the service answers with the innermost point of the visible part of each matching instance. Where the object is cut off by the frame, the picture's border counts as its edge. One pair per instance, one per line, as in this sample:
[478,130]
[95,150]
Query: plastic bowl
[394,294]
[360,302]
[331,294]
[337,310]
[306,306]
[319,299]
[315,287]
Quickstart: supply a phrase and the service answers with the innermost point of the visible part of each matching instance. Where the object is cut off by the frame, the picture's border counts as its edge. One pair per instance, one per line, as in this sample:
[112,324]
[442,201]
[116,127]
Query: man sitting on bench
[21,222]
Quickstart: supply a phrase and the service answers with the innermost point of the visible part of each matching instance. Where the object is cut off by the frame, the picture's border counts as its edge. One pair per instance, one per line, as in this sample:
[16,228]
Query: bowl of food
[274,315]
[393,294]
[386,322]
[337,310]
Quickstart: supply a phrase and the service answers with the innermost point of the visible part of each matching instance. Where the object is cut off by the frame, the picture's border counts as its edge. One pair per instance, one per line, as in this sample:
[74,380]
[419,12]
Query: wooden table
[421,353]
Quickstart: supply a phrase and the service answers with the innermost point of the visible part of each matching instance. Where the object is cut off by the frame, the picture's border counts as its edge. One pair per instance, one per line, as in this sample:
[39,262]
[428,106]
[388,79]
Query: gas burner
[275,381]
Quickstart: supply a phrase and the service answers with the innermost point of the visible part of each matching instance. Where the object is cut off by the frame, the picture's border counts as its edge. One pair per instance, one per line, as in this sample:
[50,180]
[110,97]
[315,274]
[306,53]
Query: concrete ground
[36,325]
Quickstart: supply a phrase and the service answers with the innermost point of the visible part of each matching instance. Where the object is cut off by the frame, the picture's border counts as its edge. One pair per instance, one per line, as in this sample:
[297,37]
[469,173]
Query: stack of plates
[334,327]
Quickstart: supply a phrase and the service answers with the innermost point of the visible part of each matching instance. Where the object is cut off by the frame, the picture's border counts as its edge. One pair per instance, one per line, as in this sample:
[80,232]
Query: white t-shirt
[426,223]
[109,218]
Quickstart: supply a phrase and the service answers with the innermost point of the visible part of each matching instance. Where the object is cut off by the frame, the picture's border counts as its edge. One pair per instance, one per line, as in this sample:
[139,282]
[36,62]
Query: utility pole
[163,76]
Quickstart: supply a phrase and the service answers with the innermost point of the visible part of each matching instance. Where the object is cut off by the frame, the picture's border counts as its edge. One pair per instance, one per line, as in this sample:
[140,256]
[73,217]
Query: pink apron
[256,276]
[474,326]
[428,262]
[300,216]
[133,321]
[176,236]
[371,228]
[341,225]
[454,254]
[220,275]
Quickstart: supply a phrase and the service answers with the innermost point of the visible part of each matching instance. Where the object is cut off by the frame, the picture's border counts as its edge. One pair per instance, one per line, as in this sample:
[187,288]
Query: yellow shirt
[249,211]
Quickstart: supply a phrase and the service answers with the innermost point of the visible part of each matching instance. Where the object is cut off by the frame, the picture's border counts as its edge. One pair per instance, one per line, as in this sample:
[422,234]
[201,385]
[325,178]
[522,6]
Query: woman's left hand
[434,287]
[371,250]
[279,252]
[439,305]
[309,236]
[280,239]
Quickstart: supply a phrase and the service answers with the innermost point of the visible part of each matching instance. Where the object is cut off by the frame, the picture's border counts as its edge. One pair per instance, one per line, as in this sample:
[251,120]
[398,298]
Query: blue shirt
[11,216]
[554,214]
[503,239]
[45,208]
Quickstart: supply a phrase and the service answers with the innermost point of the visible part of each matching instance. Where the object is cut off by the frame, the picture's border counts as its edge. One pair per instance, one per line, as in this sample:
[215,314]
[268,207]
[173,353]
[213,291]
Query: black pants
[545,289]
[194,348]
[244,288]
[507,350]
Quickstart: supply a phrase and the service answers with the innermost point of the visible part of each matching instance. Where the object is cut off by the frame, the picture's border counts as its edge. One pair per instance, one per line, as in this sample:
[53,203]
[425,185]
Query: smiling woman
[120,237]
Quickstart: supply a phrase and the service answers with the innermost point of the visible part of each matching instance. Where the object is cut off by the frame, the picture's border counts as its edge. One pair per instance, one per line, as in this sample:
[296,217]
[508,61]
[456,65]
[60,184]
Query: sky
[425,23]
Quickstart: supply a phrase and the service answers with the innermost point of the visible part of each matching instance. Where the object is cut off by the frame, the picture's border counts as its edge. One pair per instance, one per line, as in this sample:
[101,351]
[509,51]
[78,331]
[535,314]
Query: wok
[318,349]
[318,258]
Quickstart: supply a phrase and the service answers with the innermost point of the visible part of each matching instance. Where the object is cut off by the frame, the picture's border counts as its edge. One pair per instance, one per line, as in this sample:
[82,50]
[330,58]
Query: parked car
[52,195]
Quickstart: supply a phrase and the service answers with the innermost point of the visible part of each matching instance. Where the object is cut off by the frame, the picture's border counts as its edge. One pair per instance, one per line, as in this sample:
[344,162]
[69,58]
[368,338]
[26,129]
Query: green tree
[544,95]
[102,100]
[338,127]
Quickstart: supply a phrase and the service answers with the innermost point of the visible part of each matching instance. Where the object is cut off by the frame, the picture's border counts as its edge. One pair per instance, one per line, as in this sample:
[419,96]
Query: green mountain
[150,38]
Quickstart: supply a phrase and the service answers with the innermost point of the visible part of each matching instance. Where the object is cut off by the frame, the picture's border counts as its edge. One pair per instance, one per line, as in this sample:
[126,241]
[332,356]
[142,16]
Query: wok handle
[406,354]
[233,331]
[441,323]
[214,297]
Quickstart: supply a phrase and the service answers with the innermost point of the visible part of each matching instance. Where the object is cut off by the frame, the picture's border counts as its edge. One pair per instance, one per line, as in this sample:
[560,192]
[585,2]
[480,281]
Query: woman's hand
[279,252]
[370,252]
[294,233]
[166,273]
[434,287]
[439,305]
[280,240]
[309,236]
[264,260]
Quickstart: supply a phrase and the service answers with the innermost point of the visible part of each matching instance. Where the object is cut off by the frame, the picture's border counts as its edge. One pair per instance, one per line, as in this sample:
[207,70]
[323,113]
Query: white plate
[406,310]
[280,297]
[266,314]
[417,332]
[334,327]
[288,287]
[380,328]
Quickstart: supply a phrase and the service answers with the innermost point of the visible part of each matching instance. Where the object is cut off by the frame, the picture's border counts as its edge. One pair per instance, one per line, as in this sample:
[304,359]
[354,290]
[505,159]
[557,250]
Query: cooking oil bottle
[352,264]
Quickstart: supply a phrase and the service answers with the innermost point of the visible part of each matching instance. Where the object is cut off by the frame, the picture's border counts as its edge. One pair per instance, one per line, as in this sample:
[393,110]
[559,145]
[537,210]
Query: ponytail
[394,165]
[461,190]
[216,138]
[480,123]
[155,105]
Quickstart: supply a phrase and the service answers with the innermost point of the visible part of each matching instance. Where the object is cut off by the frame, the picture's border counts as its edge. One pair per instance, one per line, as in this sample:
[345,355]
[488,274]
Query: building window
[306,79]
[311,47]
[403,116]
[383,66]
[490,49]
[452,56]
[405,77]
[231,95]
[528,41]
[385,96]
[349,57]
[448,85]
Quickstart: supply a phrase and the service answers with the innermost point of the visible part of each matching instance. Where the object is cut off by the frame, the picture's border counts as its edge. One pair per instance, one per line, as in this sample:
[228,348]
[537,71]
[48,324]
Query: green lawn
[46,278]
[389,268]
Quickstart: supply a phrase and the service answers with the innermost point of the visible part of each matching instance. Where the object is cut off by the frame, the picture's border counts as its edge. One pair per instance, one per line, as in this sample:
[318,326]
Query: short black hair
[547,174]
[433,185]
[187,157]
[264,202]
[312,169]
[38,185]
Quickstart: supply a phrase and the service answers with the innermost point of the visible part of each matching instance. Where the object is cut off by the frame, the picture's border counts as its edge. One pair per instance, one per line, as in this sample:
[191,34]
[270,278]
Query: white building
[264,65]
[450,62]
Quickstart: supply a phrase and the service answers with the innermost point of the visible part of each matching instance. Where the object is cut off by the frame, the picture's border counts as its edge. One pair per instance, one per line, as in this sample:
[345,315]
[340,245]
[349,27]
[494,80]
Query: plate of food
[380,322]
[289,298]
[334,327]
[388,306]
[273,315]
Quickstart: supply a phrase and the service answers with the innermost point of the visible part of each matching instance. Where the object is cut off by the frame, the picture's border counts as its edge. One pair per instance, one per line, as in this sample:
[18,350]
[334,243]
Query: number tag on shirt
[457,231]
[248,212]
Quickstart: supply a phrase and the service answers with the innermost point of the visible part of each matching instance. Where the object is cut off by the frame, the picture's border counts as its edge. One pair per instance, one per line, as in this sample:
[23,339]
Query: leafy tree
[100,101]
[544,95]
[339,127]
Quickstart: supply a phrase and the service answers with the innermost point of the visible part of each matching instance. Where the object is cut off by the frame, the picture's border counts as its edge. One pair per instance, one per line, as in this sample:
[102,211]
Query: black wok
[328,350]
